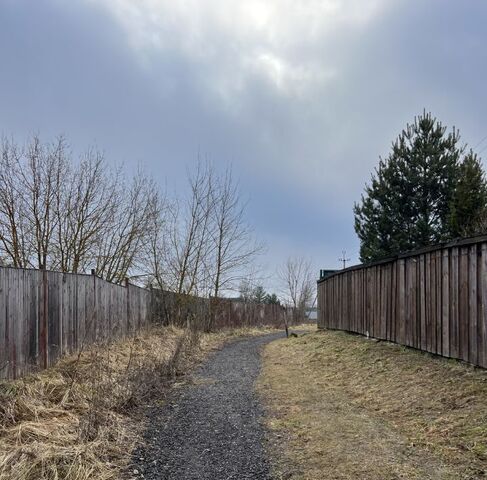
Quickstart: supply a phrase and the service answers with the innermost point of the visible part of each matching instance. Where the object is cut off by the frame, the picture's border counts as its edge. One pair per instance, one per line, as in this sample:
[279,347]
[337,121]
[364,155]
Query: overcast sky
[301,96]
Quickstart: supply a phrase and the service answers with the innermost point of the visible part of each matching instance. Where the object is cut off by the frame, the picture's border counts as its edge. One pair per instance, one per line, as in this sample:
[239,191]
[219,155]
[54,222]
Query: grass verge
[75,421]
[344,407]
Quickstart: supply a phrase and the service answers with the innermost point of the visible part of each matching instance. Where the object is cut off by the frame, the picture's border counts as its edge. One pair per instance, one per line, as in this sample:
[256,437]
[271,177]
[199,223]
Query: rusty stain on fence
[433,299]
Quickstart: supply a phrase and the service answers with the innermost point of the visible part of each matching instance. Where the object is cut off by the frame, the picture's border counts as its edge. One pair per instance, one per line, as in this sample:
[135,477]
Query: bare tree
[41,180]
[245,290]
[249,282]
[125,244]
[233,245]
[210,244]
[13,221]
[76,215]
[84,209]
[298,284]
[72,216]
[158,242]
[188,240]
[29,181]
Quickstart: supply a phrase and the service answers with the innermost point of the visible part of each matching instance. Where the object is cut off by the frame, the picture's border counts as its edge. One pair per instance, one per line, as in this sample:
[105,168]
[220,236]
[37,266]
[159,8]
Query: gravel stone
[210,429]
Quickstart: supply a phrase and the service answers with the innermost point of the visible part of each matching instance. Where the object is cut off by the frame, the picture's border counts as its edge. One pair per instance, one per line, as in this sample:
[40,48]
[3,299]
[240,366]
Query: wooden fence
[230,313]
[433,299]
[45,315]
[217,313]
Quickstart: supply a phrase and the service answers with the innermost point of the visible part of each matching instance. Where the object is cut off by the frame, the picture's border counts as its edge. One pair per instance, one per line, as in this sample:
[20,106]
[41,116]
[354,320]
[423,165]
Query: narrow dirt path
[211,428]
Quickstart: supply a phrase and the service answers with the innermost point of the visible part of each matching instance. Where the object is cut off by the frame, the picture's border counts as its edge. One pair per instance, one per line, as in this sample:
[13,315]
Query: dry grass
[343,407]
[70,422]
[75,421]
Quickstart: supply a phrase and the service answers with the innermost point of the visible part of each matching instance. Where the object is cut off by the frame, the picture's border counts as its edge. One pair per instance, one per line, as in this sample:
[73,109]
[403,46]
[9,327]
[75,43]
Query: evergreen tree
[469,204]
[408,202]
[259,294]
[271,299]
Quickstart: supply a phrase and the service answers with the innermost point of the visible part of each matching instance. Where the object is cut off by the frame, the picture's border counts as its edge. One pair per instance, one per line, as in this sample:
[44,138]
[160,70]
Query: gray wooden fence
[433,299]
[45,315]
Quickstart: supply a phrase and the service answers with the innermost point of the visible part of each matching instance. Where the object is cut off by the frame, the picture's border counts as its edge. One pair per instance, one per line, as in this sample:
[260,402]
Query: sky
[300,97]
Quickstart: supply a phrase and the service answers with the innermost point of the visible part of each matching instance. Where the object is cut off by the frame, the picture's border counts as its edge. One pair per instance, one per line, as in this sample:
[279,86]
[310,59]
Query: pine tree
[407,204]
[272,299]
[469,203]
[258,294]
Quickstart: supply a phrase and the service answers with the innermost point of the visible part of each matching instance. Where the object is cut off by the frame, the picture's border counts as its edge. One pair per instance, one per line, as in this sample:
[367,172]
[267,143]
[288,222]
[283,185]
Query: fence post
[128,326]
[95,313]
[151,313]
[44,341]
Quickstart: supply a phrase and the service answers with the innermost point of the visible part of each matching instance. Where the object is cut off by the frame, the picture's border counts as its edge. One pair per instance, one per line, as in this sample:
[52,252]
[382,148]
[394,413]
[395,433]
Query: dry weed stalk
[70,422]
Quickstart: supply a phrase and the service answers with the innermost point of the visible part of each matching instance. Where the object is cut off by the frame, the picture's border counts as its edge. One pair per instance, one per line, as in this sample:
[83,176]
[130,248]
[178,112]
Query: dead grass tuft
[74,421]
[70,422]
[346,407]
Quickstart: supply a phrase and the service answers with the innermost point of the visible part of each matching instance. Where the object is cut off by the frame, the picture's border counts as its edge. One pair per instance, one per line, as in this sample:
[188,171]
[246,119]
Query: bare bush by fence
[433,299]
[44,315]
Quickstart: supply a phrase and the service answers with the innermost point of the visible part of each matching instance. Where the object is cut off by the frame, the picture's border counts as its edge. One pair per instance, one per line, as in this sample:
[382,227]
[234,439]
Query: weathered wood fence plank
[433,300]
[45,315]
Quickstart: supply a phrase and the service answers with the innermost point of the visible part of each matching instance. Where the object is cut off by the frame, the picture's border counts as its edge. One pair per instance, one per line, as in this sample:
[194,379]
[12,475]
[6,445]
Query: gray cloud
[302,97]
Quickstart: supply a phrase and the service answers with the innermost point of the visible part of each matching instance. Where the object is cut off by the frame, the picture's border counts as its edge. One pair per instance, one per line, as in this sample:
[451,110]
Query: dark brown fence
[434,300]
[44,315]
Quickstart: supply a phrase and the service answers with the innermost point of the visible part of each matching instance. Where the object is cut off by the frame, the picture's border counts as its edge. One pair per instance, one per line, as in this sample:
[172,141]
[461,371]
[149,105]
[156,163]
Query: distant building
[326,273]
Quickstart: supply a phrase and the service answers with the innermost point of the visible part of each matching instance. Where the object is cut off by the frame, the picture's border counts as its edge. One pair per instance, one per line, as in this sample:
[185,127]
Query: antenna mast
[344,259]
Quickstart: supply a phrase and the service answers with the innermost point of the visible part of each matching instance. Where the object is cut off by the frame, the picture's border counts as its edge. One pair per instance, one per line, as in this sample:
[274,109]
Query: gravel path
[210,429]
